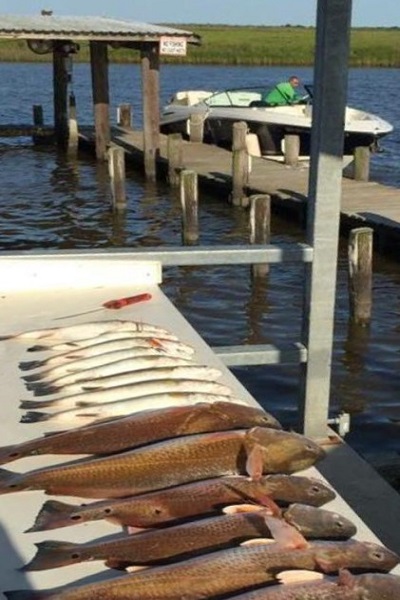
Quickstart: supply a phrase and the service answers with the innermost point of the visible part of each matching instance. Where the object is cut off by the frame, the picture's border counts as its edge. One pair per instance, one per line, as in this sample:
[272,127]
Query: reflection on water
[47,201]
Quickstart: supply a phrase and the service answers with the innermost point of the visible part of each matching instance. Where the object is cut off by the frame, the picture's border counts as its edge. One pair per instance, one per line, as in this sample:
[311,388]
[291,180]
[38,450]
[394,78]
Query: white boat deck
[44,292]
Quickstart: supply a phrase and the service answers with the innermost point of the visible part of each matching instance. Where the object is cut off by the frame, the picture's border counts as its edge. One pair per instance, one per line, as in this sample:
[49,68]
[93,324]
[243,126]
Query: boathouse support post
[362,156]
[292,149]
[150,64]
[38,119]
[101,97]
[60,93]
[323,210]
[260,228]
[116,169]
[175,158]
[189,195]
[73,133]
[196,125]
[124,115]
[360,248]
[240,164]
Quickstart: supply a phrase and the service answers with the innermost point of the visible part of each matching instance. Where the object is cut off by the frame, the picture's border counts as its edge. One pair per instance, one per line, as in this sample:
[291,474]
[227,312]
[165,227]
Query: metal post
[323,209]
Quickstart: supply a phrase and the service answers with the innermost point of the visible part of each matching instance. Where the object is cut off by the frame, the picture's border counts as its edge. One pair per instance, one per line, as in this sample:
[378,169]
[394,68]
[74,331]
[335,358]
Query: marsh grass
[247,45]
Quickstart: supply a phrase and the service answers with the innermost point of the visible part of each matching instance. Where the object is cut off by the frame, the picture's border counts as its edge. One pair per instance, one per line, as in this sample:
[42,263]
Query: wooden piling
[73,133]
[150,64]
[124,115]
[260,228]
[190,205]
[292,149]
[360,248]
[240,165]
[101,98]
[60,93]
[362,156]
[175,158]
[38,119]
[196,128]
[116,169]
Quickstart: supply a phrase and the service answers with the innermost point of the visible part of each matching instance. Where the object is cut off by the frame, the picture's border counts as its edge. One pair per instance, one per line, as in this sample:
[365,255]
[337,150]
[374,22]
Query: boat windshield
[247,97]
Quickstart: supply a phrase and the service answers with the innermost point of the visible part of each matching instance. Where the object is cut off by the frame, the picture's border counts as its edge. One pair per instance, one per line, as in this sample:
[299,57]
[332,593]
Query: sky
[369,13]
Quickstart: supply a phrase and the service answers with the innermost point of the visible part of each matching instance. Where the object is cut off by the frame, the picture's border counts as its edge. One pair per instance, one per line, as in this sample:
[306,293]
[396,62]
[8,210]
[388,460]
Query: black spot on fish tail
[30,364]
[51,554]
[34,417]
[36,403]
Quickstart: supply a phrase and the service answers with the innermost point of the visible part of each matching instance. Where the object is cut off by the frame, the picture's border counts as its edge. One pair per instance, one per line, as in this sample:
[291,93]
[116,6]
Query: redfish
[224,572]
[185,501]
[143,428]
[190,539]
[257,451]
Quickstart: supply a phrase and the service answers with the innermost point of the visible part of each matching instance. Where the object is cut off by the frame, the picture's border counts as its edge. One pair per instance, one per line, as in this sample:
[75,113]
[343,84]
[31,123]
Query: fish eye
[315,489]
[310,447]
[76,517]
[107,511]
[378,555]
[339,524]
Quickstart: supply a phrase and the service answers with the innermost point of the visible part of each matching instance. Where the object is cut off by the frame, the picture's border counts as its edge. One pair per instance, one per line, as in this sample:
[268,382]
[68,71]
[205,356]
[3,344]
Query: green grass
[248,45]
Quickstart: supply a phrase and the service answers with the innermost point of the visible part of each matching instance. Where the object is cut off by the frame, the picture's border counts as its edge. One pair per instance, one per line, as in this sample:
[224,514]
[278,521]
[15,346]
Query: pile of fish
[203,485]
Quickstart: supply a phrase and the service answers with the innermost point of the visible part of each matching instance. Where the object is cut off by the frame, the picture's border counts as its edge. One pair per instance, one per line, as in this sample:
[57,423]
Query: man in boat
[284,93]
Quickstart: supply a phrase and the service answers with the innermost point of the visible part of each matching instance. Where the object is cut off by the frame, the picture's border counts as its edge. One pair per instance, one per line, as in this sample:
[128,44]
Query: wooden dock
[363,203]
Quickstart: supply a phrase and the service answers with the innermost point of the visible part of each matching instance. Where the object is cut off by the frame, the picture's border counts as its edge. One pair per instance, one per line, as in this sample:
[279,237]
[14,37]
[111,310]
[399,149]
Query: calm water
[47,201]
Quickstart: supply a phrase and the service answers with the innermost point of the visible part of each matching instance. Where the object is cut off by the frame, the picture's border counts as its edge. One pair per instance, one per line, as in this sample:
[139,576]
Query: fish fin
[346,579]
[234,509]
[6,477]
[298,576]
[83,404]
[254,463]
[36,403]
[119,565]
[135,568]
[91,387]
[38,348]
[130,530]
[31,364]
[284,534]
[54,514]
[34,417]
[255,541]
[324,564]
[51,554]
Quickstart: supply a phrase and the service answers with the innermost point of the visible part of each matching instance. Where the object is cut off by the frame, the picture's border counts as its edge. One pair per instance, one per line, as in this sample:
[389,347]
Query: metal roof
[88,28]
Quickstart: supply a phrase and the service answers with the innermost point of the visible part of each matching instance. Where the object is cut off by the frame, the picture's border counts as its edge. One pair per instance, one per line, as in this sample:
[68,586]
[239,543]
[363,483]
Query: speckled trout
[143,428]
[257,451]
[84,330]
[370,586]
[185,501]
[190,539]
[225,571]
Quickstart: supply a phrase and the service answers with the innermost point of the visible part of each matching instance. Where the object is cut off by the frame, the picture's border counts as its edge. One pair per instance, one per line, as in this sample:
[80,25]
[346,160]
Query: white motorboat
[270,124]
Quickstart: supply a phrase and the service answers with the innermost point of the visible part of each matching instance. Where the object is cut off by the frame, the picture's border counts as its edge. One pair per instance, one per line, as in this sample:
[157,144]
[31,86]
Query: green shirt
[283,93]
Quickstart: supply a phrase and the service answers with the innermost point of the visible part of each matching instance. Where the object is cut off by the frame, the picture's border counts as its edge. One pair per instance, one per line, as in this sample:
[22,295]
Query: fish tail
[6,478]
[43,390]
[30,364]
[6,337]
[52,515]
[51,554]
[33,377]
[36,403]
[38,348]
[34,417]
[9,453]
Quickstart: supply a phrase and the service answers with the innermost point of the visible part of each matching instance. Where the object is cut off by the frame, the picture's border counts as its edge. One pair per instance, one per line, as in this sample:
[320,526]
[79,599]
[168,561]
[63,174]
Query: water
[47,201]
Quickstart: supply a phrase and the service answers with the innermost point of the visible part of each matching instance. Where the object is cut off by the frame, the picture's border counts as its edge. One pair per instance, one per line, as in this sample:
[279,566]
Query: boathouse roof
[86,28]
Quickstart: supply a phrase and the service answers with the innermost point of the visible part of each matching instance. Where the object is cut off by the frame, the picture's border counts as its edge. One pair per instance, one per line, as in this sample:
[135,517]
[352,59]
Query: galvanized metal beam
[264,354]
[323,214]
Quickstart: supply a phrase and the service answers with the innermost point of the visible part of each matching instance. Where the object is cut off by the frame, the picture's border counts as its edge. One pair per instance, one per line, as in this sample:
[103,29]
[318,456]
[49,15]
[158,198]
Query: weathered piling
[175,158]
[60,90]
[38,119]
[101,97]
[260,228]
[360,248]
[73,133]
[150,67]
[292,149]
[196,127]
[190,206]
[124,115]
[116,169]
[240,165]
[362,156]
